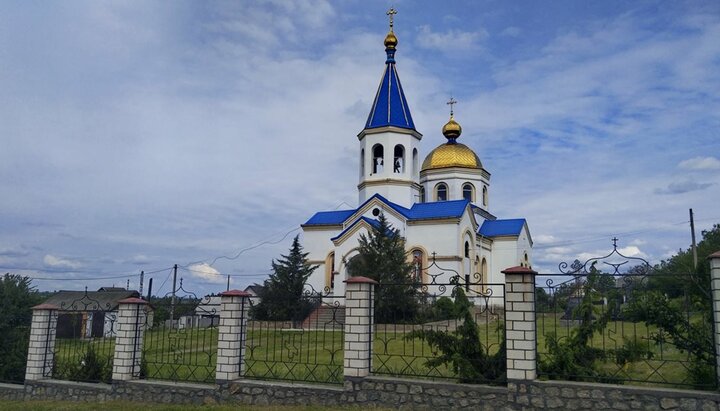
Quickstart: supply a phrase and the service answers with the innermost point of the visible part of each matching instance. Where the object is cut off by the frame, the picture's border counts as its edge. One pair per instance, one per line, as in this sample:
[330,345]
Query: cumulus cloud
[206,272]
[700,163]
[451,40]
[56,262]
[681,187]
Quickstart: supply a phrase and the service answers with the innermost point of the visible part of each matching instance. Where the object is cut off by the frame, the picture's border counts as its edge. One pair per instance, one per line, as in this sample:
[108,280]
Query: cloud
[700,163]
[451,40]
[681,187]
[56,262]
[511,31]
[205,272]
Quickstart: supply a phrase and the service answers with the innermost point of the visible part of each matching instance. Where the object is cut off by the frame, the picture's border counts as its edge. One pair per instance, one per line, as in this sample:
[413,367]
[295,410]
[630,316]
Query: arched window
[417,264]
[484,270]
[399,159]
[329,271]
[526,259]
[378,156]
[467,249]
[468,192]
[422,194]
[441,192]
[362,163]
[415,161]
[485,196]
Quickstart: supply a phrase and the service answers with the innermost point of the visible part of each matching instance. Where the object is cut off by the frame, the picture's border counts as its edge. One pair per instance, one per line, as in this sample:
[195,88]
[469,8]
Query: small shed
[88,314]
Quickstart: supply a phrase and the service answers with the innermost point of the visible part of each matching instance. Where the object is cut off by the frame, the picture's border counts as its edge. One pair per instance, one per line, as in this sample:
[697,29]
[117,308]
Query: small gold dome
[390,40]
[451,129]
[451,155]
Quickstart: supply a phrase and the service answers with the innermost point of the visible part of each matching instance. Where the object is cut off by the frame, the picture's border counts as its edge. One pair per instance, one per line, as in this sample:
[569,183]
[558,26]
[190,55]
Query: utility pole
[127,287]
[172,301]
[692,233]
[142,278]
[228,285]
[149,289]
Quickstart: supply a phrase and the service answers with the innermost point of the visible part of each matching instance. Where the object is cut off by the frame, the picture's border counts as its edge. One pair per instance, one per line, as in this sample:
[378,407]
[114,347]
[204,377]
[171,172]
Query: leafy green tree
[17,297]
[281,298]
[461,350]
[382,257]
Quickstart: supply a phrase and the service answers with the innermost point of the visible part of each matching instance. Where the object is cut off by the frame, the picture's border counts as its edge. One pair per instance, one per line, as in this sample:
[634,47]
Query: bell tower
[389,141]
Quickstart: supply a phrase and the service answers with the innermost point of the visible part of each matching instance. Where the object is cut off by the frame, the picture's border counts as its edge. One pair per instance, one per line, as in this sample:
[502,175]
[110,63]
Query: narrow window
[527,260]
[468,192]
[378,155]
[417,263]
[484,270]
[467,249]
[362,163]
[329,268]
[441,192]
[485,196]
[399,159]
[422,194]
[415,161]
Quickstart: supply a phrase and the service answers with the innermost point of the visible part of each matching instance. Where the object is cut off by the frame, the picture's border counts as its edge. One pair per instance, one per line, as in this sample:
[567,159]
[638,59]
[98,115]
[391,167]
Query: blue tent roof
[329,217]
[390,107]
[496,228]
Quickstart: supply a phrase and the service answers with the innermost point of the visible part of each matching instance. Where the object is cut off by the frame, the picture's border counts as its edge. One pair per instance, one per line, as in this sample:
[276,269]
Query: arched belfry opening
[399,159]
[378,158]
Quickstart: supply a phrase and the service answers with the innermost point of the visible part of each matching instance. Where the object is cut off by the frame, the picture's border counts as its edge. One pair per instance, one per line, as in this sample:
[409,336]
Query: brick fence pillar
[715,286]
[41,348]
[129,332]
[232,334]
[520,334]
[359,324]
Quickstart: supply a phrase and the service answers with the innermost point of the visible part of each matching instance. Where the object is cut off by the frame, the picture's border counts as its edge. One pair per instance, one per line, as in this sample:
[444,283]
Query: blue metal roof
[498,228]
[372,222]
[439,209]
[390,107]
[329,217]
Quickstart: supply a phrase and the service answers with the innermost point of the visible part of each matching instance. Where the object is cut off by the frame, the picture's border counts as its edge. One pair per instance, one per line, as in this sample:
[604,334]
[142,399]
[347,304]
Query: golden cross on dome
[391,13]
[451,103]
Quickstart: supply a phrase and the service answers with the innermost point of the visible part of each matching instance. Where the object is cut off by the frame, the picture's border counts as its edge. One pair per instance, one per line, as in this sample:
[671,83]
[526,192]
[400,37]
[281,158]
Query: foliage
[91,367]
[461,350]
[572,357]
[382,257]
[281,298]
[162,307]
[17,297]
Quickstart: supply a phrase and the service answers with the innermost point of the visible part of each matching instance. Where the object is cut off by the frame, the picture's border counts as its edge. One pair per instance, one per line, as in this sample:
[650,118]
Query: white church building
[440,205]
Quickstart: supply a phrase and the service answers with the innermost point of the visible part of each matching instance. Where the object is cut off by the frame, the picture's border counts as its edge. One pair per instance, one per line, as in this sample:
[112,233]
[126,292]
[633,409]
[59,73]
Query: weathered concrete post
[41,349]
[129,333]
[715,286]
[520,334]
[359,326]
[232,334]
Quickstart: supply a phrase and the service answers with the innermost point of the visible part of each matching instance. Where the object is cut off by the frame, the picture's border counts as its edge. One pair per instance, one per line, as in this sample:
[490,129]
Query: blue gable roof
[390,107]
[496,228]
[329,217]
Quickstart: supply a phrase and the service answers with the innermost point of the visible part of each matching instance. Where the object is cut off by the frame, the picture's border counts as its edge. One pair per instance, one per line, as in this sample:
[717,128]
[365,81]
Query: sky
[135,135]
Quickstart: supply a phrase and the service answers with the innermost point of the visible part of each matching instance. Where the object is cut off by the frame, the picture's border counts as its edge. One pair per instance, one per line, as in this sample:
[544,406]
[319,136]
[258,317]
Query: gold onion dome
[390,40]
[452,153]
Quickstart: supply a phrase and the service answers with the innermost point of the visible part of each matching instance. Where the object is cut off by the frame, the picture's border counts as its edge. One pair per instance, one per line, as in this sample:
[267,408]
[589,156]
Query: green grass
[317,356]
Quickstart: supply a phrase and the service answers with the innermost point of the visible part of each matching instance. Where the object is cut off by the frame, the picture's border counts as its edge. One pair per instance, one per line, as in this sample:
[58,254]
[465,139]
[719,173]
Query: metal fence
[595,323]
[84,340]
[308,348]
[181,337]
[450,327]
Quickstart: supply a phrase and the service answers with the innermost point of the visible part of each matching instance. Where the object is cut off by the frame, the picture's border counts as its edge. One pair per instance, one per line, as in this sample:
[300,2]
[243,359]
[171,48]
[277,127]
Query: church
[440,205]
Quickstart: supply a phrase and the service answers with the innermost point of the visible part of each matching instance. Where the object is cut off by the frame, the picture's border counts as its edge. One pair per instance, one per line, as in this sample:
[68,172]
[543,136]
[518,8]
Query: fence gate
[605,320]
[446,326]
[306,347]
[181,337]
[84,339]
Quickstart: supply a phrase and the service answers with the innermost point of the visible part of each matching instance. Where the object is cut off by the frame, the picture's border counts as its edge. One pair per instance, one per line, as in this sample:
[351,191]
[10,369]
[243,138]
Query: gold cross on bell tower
[451,103]
[391,13]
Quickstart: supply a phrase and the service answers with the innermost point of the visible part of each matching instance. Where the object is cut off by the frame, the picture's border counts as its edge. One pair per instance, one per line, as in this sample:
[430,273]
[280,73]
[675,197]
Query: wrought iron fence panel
[637,327]
[309,348]
[84,331]
[181,337]
[450,326]
[13,356]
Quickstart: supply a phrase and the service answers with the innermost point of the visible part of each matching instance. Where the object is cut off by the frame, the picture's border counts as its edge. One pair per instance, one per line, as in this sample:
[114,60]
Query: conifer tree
[281,298]
[382,257]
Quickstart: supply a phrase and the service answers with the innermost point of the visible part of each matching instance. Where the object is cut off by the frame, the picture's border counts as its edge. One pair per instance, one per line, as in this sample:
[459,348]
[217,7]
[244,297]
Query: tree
[461,349]
[382,257]
[17,297]
[281,298]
